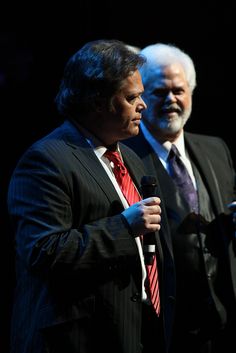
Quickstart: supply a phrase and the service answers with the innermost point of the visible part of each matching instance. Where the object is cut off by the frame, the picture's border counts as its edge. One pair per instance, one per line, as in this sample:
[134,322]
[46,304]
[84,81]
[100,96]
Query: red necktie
[132,196]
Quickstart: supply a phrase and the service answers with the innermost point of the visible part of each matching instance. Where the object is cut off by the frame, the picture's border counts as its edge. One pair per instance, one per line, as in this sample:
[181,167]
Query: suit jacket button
[171,298]
[136,297]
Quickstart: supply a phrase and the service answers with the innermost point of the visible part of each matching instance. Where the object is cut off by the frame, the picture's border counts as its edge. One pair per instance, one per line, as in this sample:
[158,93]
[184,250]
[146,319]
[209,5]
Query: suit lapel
[85,155]
[206,169]
[90,162]
[154,167]
[134,169]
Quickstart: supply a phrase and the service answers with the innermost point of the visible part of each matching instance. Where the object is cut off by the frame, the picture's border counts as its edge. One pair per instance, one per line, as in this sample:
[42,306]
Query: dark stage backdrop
[34,50]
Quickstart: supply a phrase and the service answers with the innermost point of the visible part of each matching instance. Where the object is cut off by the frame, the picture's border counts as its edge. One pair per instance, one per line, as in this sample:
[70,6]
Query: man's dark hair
[96,71]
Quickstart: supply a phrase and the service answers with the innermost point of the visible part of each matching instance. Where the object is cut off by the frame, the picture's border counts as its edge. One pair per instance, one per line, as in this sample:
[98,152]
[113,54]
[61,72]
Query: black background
[35,45]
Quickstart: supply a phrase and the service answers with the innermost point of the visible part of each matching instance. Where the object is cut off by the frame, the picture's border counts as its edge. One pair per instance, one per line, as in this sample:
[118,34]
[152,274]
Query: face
[169,101]
[122,119]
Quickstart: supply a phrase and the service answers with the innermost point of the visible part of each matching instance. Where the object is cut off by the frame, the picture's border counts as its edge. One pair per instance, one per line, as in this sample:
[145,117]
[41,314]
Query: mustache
[171,108]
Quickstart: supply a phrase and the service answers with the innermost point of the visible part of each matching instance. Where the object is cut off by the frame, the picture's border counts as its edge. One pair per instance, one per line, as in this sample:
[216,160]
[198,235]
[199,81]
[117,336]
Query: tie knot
[112,154]
[174,152]
[115,157]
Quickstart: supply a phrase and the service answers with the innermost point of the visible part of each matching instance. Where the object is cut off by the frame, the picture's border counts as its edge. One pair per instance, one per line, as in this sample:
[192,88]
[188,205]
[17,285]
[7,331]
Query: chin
[130,134]
[135,132]
[171,127]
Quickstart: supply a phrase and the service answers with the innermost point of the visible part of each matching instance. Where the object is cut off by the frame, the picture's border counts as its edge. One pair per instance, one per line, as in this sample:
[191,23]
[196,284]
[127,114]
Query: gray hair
[160,54]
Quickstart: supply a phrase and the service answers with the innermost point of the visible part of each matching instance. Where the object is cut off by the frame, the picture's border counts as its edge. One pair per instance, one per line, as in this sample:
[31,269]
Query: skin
[169,101]
[120,121]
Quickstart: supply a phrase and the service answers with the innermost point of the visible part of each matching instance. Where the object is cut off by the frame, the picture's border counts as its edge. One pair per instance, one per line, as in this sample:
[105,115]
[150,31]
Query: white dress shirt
[99,150]
[162,151]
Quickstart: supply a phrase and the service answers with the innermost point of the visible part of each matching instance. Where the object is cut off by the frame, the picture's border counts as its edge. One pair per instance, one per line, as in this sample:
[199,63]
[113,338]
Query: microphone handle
[148,187]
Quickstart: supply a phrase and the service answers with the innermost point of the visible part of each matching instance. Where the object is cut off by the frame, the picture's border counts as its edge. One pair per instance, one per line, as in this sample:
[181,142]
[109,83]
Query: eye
[178,91]
[132,99]
[159,92]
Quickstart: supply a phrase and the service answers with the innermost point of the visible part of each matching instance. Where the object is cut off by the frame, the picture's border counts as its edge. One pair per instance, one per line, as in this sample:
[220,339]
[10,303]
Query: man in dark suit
[79,263]
[202,236]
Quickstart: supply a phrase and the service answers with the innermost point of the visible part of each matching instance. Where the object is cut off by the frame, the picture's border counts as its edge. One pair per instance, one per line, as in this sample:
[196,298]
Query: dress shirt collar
[163,149]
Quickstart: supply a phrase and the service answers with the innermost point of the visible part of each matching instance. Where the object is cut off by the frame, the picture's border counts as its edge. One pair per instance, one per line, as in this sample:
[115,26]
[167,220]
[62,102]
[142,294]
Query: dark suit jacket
[213,161]
[75,258]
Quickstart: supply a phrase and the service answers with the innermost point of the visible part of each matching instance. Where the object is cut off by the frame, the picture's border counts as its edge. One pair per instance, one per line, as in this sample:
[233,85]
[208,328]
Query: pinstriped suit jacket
[75,258]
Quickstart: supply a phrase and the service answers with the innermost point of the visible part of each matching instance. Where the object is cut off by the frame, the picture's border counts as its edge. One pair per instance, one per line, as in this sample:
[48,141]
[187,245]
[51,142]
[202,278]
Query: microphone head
[148,186]
[148,180]
[232,206]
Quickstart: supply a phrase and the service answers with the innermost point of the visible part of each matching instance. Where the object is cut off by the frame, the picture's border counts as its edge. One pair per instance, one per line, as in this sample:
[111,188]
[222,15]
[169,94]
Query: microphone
[148,188]
[232,208]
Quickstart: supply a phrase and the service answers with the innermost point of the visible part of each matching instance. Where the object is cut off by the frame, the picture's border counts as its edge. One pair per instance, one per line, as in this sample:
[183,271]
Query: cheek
[127,112]
[155,106]
[155,102]
[119,110]
[186,101]
[120,119]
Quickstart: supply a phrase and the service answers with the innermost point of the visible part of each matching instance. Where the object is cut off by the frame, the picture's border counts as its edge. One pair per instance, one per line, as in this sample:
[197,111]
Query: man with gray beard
[198,167]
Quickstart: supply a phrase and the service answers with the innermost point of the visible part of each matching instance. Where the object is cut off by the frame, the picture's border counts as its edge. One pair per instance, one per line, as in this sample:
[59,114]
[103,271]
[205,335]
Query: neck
[112,147]
[88,132]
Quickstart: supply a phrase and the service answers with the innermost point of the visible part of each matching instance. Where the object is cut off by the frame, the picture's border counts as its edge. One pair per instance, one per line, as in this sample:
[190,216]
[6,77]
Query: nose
[170,97]
[142,105]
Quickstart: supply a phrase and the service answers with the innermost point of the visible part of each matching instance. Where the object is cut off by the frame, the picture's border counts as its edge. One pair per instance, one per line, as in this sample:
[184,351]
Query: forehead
[165,74]
[132,83]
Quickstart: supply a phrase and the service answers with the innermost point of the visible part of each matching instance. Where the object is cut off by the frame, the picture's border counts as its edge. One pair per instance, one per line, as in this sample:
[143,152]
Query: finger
[152,209]
[151,201]
[154,219]
[153,228]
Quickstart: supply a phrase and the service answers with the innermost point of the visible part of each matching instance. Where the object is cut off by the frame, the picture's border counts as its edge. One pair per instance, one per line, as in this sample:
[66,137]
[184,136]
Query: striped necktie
[132,196]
